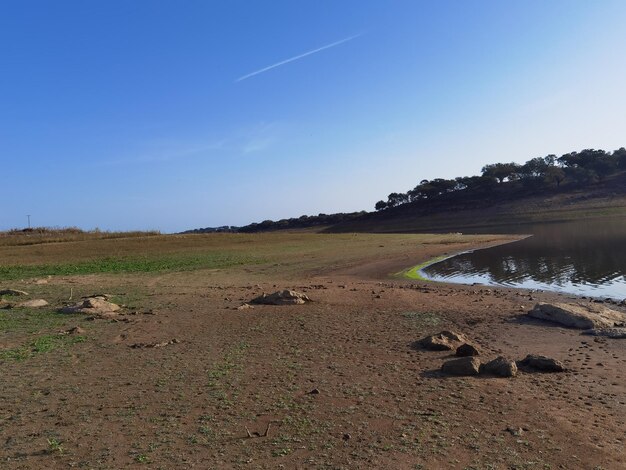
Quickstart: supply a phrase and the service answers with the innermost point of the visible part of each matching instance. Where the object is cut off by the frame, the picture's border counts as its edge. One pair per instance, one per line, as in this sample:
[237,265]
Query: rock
[462,366]
[542,363]
[13,292]
[77,330]
[315,391]
[466,350]
[614,333]
[98,296]
[501,367]
[245,307]
[579,316]
[154,345]
[515,431]
[444,341]
[285,297]
[34,303]
[92,306]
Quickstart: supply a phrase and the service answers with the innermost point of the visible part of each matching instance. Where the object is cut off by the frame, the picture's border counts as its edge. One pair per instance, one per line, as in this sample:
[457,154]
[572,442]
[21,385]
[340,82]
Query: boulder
[92,306]
[501,367]
[443,341]
[584,317]
[34,303]
[466,350]
[13,292]
[542,363]
[614,333]
[462,366]
[285,297]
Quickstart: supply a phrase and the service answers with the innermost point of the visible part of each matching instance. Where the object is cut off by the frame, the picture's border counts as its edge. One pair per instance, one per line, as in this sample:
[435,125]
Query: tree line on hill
[576,168]
[497,181]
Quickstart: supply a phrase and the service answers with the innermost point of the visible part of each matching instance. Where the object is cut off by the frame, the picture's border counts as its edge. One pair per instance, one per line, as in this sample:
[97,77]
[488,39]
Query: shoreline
[408,273]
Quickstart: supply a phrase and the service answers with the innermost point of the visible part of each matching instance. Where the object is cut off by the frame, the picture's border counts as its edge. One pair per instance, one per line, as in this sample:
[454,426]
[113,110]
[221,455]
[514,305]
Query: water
[583,257]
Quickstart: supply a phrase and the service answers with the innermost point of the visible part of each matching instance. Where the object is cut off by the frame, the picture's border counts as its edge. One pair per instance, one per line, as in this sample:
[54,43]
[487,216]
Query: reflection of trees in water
[589,252]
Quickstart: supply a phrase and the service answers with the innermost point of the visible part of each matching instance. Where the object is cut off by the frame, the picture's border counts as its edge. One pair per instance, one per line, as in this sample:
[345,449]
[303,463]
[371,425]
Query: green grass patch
[24,321]
[129,265]
[41,345]
[416,271]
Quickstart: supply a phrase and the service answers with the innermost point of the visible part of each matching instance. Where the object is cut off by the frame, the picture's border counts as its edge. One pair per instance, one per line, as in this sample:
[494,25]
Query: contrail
[278,64]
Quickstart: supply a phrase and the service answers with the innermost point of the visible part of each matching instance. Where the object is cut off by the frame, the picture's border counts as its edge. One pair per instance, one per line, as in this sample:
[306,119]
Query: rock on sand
[34,303]
[285,297]
[93,306]
[584,317]
[462,366]
[443,341]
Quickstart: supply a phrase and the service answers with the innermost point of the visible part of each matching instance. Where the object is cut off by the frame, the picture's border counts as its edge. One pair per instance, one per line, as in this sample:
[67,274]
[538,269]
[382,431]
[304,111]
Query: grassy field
[208,251]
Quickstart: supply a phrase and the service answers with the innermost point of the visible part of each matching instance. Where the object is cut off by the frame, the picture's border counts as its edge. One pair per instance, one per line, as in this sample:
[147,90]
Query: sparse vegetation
[41,345]
[128,265]
[39,235]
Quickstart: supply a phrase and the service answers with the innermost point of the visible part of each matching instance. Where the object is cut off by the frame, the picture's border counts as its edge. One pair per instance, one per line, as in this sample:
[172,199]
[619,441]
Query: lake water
[583,257]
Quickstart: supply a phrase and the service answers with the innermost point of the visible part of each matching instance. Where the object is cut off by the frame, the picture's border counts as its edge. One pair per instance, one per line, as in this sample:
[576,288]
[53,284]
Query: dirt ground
[335,383]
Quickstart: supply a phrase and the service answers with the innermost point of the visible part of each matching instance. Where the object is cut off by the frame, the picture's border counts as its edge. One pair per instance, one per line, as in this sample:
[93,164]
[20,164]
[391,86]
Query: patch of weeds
[281,452]
[54,446]
[41,345]
[142,458]
[220,371]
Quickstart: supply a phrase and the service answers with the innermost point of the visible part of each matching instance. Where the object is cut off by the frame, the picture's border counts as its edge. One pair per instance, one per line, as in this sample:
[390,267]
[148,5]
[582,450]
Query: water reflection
[583,257]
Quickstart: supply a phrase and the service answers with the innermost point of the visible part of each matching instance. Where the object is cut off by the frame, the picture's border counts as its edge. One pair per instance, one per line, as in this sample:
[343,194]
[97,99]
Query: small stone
[245,307]
[542,363]
[315,391]
[501,367]
[462,366]
[515,431]
[466,350]
[347,437]
[77,330]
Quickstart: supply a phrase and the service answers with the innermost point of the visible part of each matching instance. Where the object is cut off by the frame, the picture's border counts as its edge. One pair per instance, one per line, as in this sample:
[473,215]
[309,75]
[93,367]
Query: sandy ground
[103,404]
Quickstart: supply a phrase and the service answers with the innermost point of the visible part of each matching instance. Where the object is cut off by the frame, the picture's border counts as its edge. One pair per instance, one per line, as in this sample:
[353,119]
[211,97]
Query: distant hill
[476,212]
[589,183]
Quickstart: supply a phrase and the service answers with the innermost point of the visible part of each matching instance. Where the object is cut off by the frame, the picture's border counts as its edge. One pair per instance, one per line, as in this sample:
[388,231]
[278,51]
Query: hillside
[502,207]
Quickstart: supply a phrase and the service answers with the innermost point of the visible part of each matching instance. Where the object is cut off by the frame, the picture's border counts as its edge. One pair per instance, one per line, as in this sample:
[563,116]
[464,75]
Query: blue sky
[132,115]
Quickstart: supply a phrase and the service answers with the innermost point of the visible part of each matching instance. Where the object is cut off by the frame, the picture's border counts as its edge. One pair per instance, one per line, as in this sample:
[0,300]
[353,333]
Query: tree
[620,157]
[502,171]
[380,205]
[555,174]
[395,199]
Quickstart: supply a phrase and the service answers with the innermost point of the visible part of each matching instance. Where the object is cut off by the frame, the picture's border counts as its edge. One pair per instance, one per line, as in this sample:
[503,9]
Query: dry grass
[39,235]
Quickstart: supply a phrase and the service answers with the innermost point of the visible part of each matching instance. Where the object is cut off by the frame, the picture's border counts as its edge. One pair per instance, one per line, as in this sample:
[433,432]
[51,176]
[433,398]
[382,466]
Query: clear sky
[174,115]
